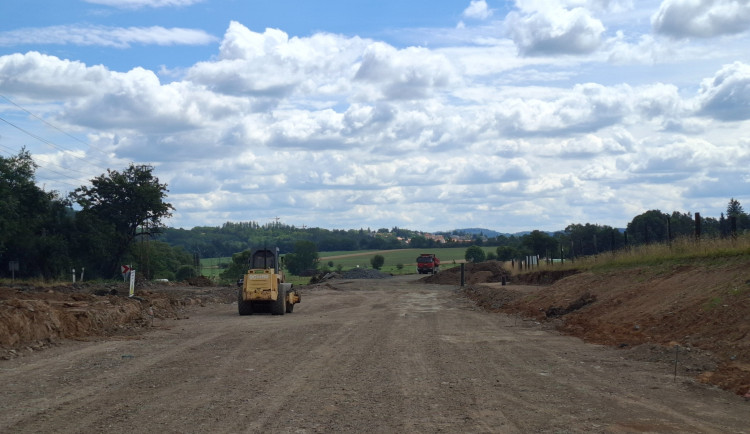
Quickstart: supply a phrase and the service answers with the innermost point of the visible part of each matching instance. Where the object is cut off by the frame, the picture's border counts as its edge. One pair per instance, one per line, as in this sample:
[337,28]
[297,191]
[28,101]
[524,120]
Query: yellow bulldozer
[263,287]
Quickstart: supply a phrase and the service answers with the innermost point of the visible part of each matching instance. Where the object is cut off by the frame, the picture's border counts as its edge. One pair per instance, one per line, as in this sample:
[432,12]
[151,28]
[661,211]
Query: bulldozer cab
[263,259]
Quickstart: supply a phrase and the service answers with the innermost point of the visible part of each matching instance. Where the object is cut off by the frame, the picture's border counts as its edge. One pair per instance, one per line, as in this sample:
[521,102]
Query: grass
[212,267]
[709,251]
[713,251]
[451,257]
[407,257]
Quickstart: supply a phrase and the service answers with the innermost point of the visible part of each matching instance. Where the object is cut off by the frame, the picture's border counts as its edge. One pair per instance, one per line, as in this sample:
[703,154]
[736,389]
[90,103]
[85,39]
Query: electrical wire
[45,141]
[43,166]
[55,127]
[64,151]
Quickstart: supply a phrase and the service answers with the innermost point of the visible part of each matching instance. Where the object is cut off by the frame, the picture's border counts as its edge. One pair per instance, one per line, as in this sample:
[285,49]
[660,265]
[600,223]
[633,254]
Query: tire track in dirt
[360,356]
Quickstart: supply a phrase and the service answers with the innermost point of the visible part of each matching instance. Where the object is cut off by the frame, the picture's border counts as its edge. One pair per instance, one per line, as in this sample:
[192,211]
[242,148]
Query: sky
[426,115]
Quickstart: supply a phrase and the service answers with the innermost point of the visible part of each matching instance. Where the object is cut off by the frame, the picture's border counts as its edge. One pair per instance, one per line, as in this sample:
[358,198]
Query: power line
[45,141]
[63,175]
[55,127]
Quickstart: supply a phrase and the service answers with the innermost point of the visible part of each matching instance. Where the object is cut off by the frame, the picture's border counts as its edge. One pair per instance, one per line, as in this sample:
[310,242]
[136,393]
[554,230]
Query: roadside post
[132,282]
[13,267]
[124,270]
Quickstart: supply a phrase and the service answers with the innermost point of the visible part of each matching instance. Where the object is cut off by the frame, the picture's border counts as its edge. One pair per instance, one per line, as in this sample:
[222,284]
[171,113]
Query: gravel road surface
[380,356]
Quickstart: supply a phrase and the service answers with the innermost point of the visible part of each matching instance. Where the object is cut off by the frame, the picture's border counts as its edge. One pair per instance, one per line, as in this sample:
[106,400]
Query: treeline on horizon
[119,221]
[575,240]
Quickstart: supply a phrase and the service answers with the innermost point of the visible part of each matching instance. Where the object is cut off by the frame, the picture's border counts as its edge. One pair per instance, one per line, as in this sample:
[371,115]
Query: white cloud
[679,158]
[272,65]
[346,132]
[587,146]
[48,78]
[585,108]
[118,37]
[411,73]
[702,18]
[555,31]
[726,96]
[477,10]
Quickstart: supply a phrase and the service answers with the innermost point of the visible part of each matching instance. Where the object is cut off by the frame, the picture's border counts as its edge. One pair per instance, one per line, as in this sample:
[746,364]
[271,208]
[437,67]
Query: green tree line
[97,228]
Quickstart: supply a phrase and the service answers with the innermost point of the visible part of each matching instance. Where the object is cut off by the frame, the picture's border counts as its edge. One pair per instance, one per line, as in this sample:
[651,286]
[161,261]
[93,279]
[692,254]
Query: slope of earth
[33,317]
[694,307]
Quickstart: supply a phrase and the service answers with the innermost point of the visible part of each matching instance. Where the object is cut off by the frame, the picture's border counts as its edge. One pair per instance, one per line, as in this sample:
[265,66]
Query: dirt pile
[543,277]
[483,272]
[32,318]
[199,281]
[698,307]
[492,297]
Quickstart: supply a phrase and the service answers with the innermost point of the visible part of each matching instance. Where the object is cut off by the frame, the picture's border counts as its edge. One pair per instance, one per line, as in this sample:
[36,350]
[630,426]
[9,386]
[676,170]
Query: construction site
[659,349]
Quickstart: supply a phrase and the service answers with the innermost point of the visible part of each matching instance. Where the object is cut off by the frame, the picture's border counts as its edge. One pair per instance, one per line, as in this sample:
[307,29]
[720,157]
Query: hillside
[701,306]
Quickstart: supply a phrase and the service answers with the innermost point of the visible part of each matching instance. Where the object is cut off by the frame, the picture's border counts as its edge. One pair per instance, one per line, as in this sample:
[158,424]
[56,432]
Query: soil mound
[482,272]
[199,281]
[32,318]
[704,308]
[543,277]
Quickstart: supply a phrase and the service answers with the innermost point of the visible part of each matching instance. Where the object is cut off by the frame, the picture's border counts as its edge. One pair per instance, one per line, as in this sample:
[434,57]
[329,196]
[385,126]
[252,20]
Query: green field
[406,257]
[211,267]
[346,260]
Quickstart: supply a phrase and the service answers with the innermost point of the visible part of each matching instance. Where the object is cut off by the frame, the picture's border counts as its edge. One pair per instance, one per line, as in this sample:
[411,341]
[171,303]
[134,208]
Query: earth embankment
[693,307]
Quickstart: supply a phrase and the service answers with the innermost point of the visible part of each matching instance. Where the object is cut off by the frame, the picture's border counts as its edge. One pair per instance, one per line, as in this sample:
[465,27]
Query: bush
[474,254]
[377,261]
[185,272]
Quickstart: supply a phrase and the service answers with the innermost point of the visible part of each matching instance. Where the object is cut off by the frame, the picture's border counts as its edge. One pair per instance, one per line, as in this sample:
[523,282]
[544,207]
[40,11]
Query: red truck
[428,263]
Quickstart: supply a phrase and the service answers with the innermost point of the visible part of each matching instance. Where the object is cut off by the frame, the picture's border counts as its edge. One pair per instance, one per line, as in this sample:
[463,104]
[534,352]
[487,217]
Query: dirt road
[357,356]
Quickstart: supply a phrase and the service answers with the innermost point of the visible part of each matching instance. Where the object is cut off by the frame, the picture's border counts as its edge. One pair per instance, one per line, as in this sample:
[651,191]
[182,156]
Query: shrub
[474,254]
[185,272]
[377,261]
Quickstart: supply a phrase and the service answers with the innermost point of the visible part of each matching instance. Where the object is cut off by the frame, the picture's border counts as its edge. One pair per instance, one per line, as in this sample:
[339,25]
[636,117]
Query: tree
[123,205]
[377,261]
[539,243]
[474,254]
[305,257]
[34,224]
[158,260]
[648,227]
[734,209]
[420,242]
[239,266]
[506,253]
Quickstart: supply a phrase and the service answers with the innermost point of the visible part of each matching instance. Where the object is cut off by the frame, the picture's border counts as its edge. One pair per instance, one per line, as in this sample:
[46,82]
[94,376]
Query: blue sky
[431,115]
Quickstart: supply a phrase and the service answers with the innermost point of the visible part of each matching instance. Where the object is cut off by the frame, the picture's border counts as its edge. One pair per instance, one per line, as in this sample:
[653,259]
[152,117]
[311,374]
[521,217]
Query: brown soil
[678,310]
[359,355]
[32,318]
